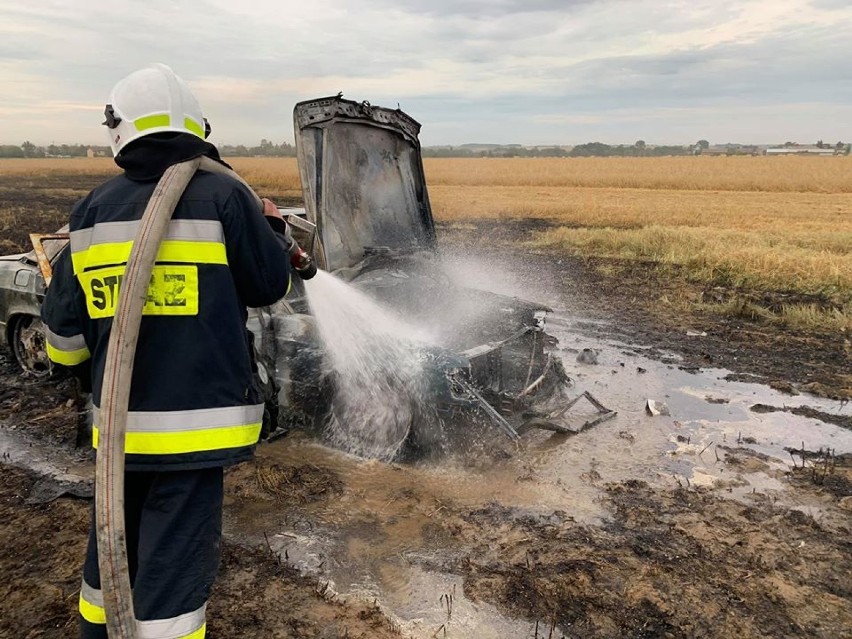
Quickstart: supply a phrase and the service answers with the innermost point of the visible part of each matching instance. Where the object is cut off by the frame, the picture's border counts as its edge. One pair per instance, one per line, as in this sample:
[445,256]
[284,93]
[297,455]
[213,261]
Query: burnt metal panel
[362,178]
[42,254]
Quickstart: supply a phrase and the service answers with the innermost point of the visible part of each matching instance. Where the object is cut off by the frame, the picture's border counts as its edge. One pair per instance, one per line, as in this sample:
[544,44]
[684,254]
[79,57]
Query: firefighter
[195,406]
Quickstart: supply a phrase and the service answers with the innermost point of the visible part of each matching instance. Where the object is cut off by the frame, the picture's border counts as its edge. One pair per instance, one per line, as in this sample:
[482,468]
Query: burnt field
[469,544]
[731,517]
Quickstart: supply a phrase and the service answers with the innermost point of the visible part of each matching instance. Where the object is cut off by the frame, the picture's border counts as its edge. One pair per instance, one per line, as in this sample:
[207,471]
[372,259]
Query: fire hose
[115,394]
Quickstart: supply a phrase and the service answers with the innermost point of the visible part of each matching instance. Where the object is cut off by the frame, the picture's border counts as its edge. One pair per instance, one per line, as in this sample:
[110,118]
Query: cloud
[504,70]
[483,9]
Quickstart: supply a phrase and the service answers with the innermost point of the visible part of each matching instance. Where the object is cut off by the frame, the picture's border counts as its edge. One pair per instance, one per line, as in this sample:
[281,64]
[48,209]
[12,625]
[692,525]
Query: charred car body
[367,219]
[23,282]
[369,222]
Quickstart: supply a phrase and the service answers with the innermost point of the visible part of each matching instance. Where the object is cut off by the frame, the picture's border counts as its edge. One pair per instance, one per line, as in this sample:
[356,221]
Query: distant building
[732,149]
[802,149]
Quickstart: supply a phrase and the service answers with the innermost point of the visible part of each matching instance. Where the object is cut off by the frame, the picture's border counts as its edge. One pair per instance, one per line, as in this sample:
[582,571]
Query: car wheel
[29,346]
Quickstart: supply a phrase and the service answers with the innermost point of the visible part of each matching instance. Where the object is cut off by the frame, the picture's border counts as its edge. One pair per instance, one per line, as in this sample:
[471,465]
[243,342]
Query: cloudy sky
[503,71]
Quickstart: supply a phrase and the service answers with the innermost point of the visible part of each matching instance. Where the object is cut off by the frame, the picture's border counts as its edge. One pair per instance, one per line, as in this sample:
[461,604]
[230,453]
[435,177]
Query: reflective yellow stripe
[63,342]
[67,358]
[101,255]
[189,624]
[164,119]
[178,421]
[93,613]
[193,441]
[199,252]
[97,615]
[181,251]
[198,634]
[191,125]
[152,121]
[113,232]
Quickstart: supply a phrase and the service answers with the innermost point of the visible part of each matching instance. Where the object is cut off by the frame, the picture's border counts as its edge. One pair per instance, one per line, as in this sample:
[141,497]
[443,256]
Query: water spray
[375,361]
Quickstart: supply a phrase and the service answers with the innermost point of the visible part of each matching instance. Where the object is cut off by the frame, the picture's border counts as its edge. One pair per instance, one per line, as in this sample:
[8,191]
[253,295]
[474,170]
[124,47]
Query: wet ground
[731,516]
[642,303]
[725,518]
[255,595]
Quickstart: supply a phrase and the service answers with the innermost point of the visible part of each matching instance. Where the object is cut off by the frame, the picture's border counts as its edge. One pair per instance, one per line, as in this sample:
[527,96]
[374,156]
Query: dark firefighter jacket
[194,401]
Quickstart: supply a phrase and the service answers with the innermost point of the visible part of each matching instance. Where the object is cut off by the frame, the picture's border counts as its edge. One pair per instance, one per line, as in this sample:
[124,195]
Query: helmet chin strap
[112,120]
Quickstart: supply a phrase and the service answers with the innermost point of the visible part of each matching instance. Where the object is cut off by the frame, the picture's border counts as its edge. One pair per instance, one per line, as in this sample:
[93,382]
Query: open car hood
[362,178]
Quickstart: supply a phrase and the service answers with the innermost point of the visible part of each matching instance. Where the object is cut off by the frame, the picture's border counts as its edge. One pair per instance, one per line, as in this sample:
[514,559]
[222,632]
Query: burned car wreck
[23,281]
[490,366]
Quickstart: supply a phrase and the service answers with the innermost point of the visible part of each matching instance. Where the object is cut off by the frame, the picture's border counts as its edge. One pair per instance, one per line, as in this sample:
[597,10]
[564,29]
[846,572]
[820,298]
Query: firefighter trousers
[174,530]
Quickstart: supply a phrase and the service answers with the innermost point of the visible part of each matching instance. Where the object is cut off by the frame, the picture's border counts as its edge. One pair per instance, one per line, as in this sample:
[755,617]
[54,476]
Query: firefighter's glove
[277,222]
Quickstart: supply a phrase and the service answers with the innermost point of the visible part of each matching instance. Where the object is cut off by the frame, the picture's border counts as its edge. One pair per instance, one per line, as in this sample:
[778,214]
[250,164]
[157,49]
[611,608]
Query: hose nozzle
[302,262]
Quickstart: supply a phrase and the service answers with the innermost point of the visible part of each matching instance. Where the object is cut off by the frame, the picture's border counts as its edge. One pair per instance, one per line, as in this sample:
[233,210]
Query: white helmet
[152,100]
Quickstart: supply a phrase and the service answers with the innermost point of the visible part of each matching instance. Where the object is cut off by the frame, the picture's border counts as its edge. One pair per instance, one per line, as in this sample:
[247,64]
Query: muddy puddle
[709,416]
[19,449]
[377,538]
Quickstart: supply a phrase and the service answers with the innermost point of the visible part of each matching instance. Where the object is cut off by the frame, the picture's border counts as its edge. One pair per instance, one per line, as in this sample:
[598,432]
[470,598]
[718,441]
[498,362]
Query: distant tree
[598,149]
[640,144]
[31,150]
[669,150]
[819,144]
[11,151]
[703,144]
[267,148]
[839,146]
[591,149]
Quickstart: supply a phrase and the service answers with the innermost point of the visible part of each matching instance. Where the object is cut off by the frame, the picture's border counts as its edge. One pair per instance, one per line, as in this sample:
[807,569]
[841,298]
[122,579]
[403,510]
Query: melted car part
[42,255]
[362,178]
[29,346]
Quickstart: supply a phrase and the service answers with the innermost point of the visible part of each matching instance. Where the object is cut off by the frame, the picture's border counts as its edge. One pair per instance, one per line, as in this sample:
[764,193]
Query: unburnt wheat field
[767,225]
[752,223]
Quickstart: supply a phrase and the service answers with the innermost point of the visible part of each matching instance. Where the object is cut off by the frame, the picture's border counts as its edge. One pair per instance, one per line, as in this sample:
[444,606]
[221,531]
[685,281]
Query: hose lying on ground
[115,394]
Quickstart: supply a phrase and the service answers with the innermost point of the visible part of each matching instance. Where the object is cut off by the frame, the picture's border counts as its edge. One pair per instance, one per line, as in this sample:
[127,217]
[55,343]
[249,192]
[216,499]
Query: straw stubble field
[755,252]
[768,225]
[752,224]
